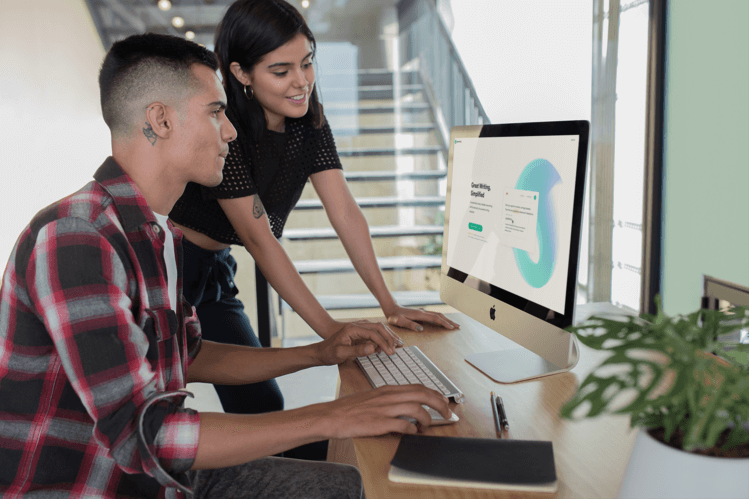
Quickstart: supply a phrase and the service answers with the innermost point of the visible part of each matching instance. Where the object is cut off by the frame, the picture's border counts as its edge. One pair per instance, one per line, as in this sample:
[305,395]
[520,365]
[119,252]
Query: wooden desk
[590,455]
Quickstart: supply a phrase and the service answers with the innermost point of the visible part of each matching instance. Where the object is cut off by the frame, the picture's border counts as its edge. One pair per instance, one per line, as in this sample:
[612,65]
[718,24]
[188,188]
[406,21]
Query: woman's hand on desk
[406,318]
[380,411]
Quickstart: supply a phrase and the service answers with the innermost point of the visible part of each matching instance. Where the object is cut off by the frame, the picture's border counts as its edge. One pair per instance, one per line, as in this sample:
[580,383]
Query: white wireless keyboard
[409,365]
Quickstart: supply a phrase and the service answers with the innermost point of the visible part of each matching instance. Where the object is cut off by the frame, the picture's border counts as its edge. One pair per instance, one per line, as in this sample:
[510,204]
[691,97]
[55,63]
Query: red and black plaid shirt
[90,349]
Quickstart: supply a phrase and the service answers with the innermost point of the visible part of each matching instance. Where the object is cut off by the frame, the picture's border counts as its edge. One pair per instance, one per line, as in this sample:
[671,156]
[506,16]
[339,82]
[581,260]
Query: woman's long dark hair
[249,30]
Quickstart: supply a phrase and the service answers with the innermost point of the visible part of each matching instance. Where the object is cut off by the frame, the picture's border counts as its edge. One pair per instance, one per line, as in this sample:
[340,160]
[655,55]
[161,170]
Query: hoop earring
[252,92]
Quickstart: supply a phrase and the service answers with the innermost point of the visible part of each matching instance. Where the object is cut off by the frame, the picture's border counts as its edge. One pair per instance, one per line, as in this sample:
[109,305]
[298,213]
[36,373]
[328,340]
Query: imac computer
[511,242]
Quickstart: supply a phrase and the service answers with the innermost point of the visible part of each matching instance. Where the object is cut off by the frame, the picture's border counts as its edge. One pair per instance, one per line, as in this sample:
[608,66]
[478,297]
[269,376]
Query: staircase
[393,158]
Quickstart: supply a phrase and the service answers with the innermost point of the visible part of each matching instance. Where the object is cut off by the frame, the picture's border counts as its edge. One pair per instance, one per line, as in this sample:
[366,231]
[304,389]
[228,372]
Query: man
[96,343]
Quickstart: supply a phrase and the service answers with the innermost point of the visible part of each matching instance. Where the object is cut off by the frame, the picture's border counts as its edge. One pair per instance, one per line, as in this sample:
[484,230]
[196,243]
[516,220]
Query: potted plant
[686,390]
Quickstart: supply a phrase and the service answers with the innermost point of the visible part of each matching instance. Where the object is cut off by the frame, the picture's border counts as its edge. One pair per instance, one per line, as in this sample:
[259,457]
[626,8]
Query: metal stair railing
[426,42]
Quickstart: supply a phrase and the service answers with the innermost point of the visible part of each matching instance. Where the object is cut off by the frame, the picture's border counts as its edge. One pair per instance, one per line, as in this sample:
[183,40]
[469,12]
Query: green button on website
[475,227]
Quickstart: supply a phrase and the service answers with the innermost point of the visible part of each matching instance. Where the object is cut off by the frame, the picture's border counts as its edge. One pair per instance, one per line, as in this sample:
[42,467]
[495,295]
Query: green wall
[706,151]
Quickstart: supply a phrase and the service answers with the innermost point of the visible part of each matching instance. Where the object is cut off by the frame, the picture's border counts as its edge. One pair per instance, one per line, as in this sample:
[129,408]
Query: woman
[266,53]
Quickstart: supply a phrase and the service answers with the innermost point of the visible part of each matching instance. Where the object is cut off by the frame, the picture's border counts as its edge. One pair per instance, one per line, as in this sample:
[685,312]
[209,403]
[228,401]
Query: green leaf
[705,397]
[737,436]
[627,373]
[738,353]
[675,419]
[714,428]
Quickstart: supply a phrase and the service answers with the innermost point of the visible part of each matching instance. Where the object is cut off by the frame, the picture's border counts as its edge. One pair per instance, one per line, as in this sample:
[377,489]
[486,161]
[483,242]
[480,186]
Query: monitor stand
[518,364]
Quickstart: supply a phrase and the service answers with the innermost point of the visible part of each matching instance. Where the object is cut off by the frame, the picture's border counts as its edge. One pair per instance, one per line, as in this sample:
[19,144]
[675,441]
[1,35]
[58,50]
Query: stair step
[374,88]
[405,128]
[349,108]
[367,300]
[357,106]
[391,119]
[356,176]
[377,231]
[387,92]
[385,263]
[372,76]
[373,71]
[366,80]
[389,151]
[380,202]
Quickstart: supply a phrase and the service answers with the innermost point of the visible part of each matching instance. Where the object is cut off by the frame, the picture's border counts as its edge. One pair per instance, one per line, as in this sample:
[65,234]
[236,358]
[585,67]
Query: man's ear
[158,124]
[240,74]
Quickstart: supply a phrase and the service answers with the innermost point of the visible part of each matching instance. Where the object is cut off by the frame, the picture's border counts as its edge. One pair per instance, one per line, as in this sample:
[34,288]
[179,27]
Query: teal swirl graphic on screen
[540,176]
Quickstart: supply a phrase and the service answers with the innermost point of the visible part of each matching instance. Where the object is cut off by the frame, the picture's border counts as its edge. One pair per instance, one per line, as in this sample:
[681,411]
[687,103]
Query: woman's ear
[239,73]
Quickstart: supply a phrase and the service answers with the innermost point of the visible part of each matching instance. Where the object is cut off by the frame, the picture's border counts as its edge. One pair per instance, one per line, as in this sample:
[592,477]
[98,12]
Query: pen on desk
[502,414]
[497,425]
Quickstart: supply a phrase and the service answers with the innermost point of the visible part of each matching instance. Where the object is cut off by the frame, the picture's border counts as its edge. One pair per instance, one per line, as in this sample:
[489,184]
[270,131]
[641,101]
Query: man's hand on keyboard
[382,410]
[355,339]
[407,317]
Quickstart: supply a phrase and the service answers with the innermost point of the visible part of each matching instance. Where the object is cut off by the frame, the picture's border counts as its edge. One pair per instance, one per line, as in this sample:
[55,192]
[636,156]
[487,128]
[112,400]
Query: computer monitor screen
[512,234]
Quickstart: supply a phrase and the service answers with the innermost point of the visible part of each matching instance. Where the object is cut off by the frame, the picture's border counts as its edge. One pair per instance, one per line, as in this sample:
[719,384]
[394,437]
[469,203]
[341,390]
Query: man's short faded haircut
[143,69]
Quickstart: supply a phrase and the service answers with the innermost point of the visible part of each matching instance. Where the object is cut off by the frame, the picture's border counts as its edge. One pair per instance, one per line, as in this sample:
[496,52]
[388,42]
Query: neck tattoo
[149,133]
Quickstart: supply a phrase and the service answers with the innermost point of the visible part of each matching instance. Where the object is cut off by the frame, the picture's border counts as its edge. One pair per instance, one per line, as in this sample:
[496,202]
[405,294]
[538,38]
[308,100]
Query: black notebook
[475,462]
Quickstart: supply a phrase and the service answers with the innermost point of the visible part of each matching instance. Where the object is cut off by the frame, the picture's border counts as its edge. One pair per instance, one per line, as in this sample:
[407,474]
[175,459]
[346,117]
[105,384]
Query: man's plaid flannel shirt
[89,346]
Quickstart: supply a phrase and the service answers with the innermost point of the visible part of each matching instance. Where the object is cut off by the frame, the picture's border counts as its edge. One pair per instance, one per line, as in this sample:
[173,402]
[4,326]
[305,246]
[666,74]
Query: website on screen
[511,204]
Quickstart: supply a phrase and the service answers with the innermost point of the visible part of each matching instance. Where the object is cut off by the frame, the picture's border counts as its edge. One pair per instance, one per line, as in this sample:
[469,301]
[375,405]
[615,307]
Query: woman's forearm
[353,230]
[349,223]
[278,268]
[247,216]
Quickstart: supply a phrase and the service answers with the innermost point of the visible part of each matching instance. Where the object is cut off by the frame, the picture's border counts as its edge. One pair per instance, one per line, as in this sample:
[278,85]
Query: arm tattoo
[257,207]
[149,133]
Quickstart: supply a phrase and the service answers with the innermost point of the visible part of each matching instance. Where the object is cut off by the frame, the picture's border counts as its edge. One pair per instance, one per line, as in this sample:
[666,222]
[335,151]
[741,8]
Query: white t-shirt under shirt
[170,260]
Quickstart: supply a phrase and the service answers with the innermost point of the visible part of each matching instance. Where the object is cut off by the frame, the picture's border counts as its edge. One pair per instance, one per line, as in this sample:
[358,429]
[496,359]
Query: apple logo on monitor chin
[492,312]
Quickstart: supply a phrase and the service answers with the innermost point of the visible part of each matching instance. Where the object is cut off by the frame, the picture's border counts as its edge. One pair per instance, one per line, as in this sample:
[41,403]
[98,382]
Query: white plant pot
[658,471]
